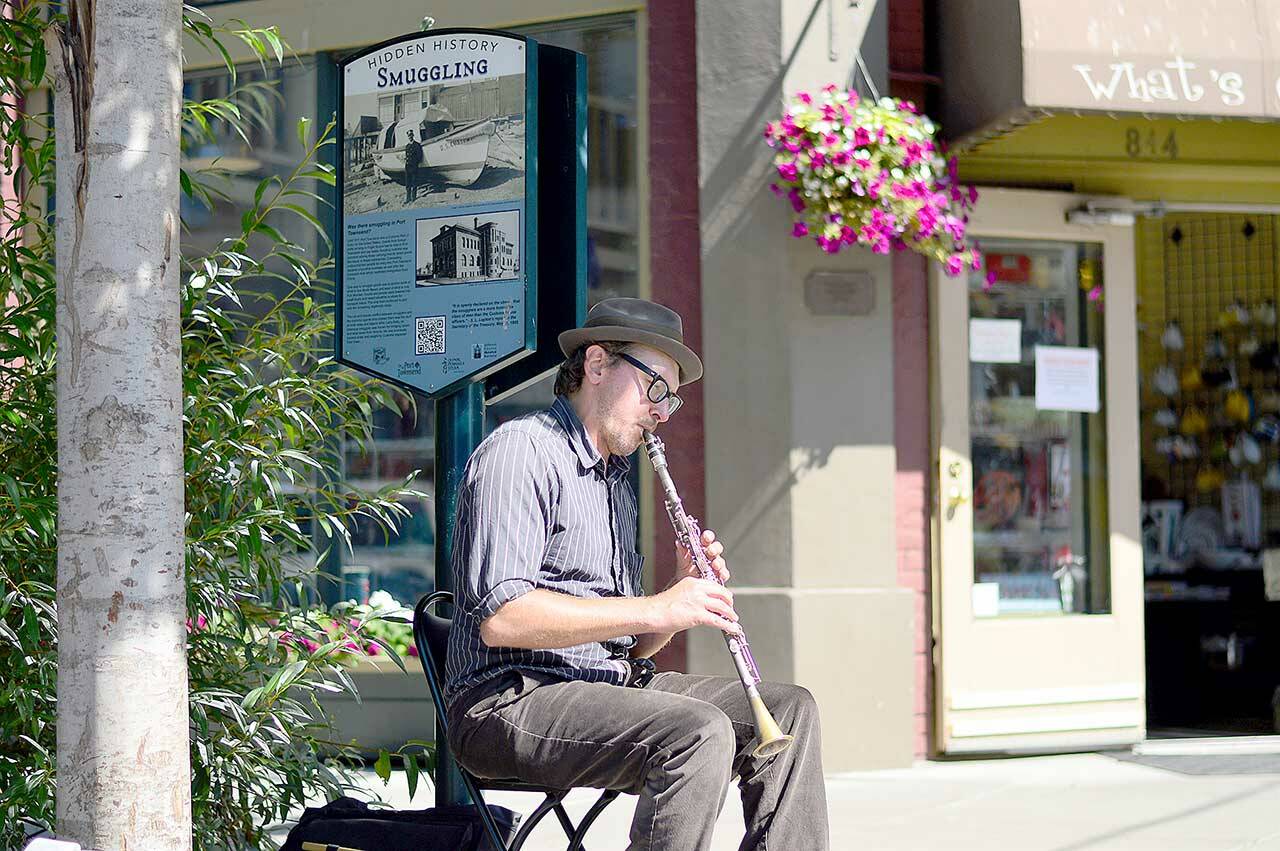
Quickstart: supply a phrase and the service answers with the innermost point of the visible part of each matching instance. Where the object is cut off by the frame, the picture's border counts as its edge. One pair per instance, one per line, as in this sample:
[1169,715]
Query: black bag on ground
[348,823]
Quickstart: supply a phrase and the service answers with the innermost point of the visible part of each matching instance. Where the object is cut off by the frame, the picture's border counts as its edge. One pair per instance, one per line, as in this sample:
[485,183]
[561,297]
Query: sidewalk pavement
[1056,803]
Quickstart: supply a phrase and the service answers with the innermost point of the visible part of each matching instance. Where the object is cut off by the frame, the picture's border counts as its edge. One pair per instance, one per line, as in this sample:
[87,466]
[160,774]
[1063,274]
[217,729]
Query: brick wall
[675,260]
[910,78]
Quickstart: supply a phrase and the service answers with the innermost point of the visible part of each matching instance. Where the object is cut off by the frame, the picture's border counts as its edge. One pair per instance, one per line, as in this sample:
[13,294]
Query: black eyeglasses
[659,392]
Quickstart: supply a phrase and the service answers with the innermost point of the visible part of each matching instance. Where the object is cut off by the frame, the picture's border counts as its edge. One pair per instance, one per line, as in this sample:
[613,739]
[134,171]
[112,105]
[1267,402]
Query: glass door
[1039,572]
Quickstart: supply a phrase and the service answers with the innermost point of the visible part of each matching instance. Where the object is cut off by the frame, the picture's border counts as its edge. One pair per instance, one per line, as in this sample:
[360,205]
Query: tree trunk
[124,777]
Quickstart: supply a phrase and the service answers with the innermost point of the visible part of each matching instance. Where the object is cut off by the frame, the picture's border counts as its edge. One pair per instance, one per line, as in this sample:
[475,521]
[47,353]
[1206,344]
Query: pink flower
[799,229]
[413,651]
[804,97]
[775,189]
[841,158]
[372,649]
[829,88]
[1095,294]
[861,138]
[787,171]
[793,147]
[928,219]
[817,158]
[797,203]
[955,265]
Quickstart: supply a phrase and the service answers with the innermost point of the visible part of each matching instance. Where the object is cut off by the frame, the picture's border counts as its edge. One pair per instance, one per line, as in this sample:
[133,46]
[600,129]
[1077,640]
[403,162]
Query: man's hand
[695,602]
[715,552]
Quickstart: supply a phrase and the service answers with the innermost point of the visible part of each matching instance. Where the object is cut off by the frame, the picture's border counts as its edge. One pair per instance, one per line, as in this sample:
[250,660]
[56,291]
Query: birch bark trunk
[123,761]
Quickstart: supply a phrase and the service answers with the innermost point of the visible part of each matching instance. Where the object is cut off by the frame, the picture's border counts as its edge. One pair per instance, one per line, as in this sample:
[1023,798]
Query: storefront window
[613,155]
[1038,430]
[271,100]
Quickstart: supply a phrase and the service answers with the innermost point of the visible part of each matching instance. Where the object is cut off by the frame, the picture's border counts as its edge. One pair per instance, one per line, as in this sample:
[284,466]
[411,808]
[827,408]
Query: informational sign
[438,193]
[1067,379]
[995,340]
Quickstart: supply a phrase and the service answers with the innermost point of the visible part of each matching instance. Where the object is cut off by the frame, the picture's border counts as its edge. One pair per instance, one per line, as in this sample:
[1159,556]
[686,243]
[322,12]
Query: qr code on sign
[430,335]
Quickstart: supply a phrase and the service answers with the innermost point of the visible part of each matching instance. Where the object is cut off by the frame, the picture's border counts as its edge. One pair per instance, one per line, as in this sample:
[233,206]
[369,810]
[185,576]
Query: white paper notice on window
[986,599]
[995,340]
[1067,379]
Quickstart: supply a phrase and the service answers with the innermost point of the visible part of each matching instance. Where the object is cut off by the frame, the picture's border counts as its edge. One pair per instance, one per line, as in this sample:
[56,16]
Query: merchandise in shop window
[1009,268]
[1265,313]
[998,489]
[1165,380]
[1059,514]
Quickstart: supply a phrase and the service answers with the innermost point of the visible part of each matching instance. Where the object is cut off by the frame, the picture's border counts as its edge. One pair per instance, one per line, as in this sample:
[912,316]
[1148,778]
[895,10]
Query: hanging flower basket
[870,173]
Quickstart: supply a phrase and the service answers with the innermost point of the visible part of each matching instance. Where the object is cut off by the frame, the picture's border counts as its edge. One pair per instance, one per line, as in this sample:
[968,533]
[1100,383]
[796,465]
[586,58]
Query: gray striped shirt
[537,508]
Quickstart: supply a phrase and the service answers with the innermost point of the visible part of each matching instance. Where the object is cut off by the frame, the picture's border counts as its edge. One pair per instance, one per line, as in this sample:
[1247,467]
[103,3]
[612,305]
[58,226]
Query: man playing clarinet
[549,678]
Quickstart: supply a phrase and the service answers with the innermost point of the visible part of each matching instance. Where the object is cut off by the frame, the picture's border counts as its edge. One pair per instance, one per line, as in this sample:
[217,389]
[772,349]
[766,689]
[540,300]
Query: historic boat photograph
[435,146]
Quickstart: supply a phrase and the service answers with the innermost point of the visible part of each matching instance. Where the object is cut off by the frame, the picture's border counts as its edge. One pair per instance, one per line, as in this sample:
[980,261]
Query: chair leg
[549,803]
[566,823]
[580,835]
[486,818]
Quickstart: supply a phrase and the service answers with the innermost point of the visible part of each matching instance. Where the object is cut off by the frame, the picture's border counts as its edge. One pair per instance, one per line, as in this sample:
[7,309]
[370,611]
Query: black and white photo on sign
[468,249]
[440,145]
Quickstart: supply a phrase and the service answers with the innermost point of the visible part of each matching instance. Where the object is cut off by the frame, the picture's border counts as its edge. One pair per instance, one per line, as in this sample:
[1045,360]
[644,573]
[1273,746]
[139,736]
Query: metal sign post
[462,234]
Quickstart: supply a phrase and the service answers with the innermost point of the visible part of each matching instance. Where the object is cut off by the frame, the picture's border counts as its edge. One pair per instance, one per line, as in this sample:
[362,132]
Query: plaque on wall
[833,293]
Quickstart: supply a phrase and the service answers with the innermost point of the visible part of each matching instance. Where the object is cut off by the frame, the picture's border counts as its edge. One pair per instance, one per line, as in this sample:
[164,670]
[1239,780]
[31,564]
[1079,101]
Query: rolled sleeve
[501,532]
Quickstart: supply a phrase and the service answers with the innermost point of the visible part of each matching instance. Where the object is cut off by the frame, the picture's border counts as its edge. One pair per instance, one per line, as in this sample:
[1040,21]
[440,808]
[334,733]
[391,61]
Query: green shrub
[264,408]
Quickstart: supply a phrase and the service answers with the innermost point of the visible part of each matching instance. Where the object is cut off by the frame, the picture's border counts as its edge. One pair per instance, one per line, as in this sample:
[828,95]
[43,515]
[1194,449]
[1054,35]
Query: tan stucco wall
[799,408]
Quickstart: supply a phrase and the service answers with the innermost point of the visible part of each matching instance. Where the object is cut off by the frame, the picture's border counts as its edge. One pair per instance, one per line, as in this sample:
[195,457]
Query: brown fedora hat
[635,320]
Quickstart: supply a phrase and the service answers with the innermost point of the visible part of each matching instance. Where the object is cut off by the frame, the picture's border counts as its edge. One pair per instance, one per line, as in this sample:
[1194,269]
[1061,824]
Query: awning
[1007,61]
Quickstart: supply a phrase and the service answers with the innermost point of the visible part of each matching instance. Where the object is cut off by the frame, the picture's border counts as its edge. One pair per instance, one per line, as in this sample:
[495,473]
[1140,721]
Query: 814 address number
[1148,144]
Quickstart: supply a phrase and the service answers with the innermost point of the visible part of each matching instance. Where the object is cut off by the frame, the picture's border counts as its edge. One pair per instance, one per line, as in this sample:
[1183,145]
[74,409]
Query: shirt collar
[581,442]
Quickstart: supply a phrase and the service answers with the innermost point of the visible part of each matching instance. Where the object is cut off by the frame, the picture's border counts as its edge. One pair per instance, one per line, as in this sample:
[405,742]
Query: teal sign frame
[436,278]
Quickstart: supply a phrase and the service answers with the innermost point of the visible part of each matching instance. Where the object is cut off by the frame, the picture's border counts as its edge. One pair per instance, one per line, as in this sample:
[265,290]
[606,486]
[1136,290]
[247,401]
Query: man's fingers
[715,589]
[723,610]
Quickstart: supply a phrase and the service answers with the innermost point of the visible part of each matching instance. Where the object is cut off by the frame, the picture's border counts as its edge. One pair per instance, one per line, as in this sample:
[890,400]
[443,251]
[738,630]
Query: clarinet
[772,739]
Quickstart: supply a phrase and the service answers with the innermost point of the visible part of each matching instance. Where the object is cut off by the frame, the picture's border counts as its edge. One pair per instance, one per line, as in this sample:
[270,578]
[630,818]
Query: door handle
[955,493]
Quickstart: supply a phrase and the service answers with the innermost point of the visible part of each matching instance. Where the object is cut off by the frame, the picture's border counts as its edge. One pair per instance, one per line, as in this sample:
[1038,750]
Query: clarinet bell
[772,739]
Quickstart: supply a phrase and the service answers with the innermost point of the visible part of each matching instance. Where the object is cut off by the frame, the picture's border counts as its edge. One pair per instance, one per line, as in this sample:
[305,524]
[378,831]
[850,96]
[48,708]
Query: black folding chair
[431,637]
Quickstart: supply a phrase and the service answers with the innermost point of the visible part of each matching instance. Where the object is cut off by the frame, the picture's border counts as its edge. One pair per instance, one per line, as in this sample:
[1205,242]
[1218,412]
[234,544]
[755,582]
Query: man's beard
[622,438]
